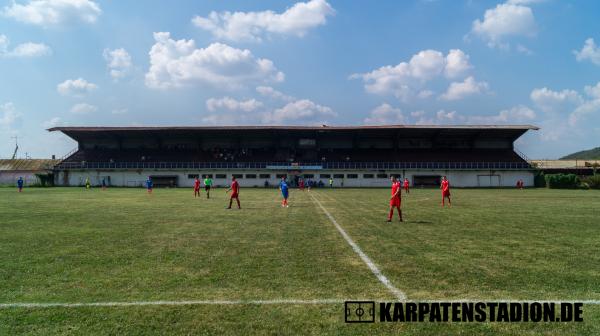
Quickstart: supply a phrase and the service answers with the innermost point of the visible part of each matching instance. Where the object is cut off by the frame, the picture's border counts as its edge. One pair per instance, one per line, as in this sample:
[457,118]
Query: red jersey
[396,188]
[445,187]
[235,187]
[395,200]
[405,183]
[197,184]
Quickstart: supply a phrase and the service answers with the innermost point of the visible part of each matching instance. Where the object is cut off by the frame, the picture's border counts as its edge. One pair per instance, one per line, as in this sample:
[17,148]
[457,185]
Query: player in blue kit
[149,185]
[284,192]
[20,184]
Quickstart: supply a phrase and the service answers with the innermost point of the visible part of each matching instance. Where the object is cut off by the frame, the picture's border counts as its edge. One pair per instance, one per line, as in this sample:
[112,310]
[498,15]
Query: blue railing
[287,166]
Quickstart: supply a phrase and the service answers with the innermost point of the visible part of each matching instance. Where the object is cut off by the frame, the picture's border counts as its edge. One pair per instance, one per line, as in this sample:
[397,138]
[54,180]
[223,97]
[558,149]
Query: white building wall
[10,177]
[137,178]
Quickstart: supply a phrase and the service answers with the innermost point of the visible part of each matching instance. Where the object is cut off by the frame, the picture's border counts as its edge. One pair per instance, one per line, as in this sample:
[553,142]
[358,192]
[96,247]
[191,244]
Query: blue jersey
[20,183]
[149,184]
[284,188]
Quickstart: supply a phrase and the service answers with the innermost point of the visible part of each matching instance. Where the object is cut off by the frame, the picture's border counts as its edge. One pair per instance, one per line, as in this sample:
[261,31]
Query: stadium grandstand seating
[300,150]
[274,155]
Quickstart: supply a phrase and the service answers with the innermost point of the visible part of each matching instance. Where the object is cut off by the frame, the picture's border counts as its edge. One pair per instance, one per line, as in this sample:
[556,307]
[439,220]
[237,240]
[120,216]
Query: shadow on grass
[418,222]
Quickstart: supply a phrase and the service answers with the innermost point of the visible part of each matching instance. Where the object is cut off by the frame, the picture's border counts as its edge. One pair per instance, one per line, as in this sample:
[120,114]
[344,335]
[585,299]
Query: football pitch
[120,261]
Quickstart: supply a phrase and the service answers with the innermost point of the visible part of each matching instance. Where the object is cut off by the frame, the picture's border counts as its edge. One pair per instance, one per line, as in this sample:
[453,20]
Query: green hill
[590,154]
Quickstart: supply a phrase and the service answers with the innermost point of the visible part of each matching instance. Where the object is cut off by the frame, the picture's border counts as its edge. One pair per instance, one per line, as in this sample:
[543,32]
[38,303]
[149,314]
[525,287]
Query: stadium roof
[27,164]
[311,128]
[400,131]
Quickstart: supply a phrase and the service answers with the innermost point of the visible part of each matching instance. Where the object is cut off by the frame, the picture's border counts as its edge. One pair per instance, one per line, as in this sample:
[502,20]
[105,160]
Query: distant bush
[562,181]
[44,180]
[539,180]
[592,181]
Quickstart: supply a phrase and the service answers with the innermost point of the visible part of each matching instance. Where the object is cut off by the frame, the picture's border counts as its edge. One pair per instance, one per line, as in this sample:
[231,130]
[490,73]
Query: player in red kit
[395,200]
[235,192]
[445,186]
[406,186]
[301,184]
[196,187]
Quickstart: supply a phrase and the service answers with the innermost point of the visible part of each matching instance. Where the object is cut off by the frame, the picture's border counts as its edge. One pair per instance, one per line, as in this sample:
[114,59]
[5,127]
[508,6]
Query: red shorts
[446,193]
[234,195]
[395,202]
[196,189]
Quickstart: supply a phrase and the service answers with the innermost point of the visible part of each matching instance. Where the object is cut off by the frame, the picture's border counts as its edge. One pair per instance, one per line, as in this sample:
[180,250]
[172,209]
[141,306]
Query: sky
[312,62]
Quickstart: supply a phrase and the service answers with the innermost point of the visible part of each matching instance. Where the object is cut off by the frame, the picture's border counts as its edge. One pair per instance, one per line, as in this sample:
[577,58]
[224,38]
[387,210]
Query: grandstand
[363,156]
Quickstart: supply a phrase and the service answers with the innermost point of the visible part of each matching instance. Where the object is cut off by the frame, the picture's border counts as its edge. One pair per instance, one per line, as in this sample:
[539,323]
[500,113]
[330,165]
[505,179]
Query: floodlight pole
[14,156]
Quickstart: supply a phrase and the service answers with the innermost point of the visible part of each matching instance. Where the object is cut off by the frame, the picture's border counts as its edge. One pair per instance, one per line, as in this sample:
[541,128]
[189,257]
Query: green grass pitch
[70,245]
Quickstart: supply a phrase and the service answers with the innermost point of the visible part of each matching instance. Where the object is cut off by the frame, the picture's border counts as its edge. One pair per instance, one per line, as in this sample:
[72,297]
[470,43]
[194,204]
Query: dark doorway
[164,181]
[427,180]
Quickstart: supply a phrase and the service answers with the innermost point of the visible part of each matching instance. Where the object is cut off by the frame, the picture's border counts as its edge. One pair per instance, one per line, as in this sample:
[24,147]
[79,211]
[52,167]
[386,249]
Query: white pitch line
[253,302]
[167,303]
[382,278]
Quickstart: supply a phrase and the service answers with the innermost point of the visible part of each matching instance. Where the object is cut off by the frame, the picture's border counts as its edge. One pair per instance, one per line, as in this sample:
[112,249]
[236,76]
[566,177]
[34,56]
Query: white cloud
[9,116]
[421,118]
[227,103]
[589,52]
[460,90]
[423,94]
[52,12]
[300,111]
[417,114]
[385,114]
[52,122]
[524,50]
[222,119]
[555,101]
[514,115]
[518,113]
[440,117]
[583,110]
[270,92]
[3,43]
[426,64]
[178,63]
[503,21]
[120,111]
[593,91]
[446,116]
[406,79]
[118,62]
[27,49]
[252,26]
[75,87]
[554,130]
[30,49]
[83,108]
[524,2]
[457,63]
[568,104]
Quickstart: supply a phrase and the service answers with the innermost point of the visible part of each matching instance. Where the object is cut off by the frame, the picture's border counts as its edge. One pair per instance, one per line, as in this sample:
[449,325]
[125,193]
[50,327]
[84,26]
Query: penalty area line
[374,269]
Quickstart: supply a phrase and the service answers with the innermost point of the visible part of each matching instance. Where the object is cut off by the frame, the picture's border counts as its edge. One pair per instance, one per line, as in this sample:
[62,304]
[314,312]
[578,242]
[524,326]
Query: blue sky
[125,63]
